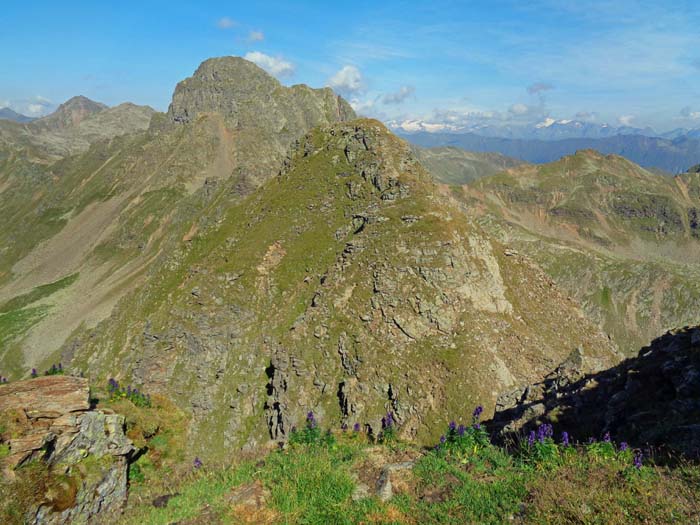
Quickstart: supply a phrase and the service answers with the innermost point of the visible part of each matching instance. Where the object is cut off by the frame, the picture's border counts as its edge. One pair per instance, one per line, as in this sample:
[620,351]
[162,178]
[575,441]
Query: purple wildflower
[344,427]
[461,430]
[197,463]
[310,420]
[565,438]
[34,374]
[638,456]
[356,427]
[606,437]
[452,426]
[531,438]
[477,413]
[388,420]
[623,446]
[543,432]
[442,439]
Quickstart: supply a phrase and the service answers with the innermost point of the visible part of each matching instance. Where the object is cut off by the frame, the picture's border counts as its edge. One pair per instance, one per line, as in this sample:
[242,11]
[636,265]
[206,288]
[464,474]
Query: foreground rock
[653,399]
[78,456]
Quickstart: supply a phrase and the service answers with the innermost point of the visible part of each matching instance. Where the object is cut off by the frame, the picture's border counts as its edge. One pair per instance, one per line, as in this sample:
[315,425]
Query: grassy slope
[466,480]
[618,238]
[456,166]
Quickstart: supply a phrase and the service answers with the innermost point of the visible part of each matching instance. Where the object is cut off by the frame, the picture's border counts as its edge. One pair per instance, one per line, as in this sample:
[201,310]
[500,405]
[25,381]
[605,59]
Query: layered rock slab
[48,423]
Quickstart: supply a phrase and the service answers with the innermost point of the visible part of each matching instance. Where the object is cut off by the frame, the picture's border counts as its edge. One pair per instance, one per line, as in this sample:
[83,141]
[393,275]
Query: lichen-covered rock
[84,453]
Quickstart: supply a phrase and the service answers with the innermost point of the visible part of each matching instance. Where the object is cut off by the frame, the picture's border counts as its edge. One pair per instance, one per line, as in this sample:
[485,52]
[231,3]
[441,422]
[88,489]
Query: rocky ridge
[82,231]
[622,240]
[650,400]
[317,289]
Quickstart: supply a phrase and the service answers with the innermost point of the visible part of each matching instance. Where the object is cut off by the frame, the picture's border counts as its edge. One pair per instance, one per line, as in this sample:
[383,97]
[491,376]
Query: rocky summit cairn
[80,454]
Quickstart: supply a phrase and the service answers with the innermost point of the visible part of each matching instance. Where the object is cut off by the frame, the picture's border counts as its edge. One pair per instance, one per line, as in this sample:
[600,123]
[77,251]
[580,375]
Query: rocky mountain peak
[9,114]
[71,113]
[247,96]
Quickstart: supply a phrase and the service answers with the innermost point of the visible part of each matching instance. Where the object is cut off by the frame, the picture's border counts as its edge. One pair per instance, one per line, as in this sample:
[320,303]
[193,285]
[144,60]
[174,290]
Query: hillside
[451,165]
[620,239]
[70,130]
[319,288]
[670,155]
[84,230]
[8,114]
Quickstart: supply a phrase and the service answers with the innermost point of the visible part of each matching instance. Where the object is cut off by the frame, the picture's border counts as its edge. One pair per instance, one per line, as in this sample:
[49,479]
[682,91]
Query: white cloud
[688,113]
[36,106]
[4,104]
[519,109]
[539,87]
[276,66]
[362,107]
[226,23]
[34,109]
[347,80]
[626,120]
[256,36]
[399,96]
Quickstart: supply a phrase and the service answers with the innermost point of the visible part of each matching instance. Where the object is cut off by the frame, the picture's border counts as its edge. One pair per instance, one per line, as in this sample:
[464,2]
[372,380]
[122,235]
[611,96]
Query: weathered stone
[86,446]
[391,475]
[653,399]
[49,396]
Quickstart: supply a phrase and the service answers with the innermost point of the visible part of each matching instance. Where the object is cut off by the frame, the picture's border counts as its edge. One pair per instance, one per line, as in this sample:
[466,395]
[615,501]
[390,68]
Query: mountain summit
[247,96]
[71,113]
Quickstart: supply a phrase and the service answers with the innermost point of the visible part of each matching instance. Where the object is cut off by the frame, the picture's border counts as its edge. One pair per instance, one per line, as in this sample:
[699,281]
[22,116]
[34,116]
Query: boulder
[84,452]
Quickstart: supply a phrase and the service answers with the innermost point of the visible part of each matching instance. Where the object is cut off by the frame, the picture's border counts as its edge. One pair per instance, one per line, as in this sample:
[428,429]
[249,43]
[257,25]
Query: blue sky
[442,63]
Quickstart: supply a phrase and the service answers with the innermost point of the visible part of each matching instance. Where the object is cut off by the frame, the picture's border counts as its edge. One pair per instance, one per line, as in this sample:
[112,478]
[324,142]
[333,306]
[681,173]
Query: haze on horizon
[449,64]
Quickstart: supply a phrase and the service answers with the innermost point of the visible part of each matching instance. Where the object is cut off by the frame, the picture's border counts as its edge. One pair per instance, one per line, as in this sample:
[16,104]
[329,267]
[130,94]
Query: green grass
[13,325]
[37,293]
[465,480]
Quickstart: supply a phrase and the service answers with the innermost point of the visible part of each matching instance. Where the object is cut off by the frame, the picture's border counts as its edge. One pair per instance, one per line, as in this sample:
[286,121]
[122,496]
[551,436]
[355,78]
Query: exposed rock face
[49,420]
[653,399]
[107,217]
[248,97]
[264,115]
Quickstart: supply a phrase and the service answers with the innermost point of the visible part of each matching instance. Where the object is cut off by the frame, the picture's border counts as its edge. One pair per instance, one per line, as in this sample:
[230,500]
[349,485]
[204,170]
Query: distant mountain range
[71,129]
[673,155]
[548,129]
[8,114]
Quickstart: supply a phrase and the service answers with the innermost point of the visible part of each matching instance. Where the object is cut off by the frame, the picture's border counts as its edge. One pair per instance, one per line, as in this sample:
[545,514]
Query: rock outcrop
[264,116]
[652,399]
[81,453]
